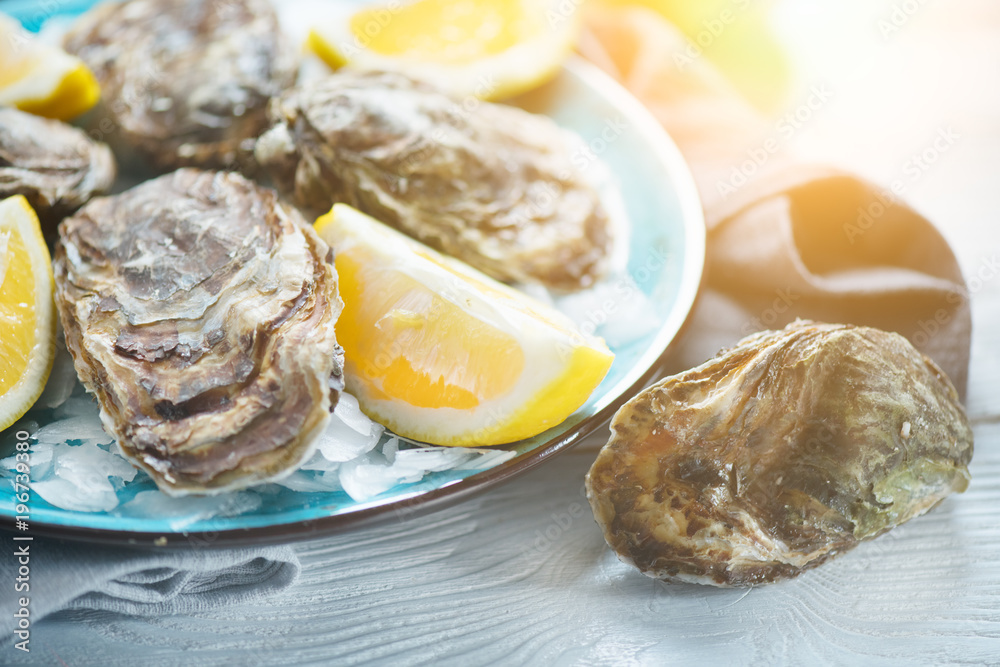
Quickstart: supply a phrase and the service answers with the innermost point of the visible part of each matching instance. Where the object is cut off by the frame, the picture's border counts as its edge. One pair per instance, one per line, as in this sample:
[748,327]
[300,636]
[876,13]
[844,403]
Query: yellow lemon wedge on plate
[444,354]
[27,310]
[488,49]
[42,79]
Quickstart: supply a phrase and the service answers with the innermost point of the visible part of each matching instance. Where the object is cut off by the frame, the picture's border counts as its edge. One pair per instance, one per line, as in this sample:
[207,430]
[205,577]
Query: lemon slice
[444,354]
[27,310]
[488,49]
[42,79]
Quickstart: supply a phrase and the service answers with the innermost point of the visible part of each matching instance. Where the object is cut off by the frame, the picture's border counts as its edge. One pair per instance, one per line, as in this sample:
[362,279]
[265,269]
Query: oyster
[185,82]
[779,454]
[201,313]
[55,166]
[493,185]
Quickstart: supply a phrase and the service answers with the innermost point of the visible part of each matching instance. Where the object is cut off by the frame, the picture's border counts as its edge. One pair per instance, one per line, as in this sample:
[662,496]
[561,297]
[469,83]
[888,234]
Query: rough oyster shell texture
[490,184]
[185,82]
[779,454]
[57,167]
[201,313]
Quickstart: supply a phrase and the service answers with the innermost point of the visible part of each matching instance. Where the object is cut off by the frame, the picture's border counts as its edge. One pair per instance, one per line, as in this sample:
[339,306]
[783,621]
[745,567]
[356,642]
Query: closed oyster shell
[185,82]
[201,313]
[781,453]
[492,185]
[55,166]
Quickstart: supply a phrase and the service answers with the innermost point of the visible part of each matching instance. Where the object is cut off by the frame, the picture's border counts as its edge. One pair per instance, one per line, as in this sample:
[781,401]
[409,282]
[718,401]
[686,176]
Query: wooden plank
[522,576]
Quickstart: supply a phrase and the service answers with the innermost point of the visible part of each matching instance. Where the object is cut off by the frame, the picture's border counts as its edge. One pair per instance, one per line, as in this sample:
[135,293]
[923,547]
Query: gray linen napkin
[138,582]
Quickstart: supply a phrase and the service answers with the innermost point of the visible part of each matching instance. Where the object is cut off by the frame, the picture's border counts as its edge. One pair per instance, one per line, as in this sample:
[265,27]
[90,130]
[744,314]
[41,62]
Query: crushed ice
[76,465]
[615,309]
[367,476]
[182,512]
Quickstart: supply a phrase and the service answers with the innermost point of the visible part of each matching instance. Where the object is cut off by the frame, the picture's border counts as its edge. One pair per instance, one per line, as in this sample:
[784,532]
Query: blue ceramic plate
[666,251]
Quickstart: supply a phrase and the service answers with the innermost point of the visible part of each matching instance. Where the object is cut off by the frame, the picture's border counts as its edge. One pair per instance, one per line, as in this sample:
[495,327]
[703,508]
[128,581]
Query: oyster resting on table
[185,82]
[57,167]
[785,451]
[200,311]
[494,186]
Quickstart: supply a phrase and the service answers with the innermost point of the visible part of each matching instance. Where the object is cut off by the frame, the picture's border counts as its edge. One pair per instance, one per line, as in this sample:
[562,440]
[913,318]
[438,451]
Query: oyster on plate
[492,185]
[787,450]
[201,313]
[185,82]
[57,167]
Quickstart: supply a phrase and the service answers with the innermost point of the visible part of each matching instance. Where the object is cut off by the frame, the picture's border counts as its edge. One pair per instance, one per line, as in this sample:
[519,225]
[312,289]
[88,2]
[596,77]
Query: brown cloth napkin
[785,239]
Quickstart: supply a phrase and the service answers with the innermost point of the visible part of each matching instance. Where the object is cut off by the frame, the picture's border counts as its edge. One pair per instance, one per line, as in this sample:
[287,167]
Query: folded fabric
[139,582]
[786,239]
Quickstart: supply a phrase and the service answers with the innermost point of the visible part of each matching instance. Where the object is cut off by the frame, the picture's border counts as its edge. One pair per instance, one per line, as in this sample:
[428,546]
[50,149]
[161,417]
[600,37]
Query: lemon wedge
[42,79]
[488,49]
[27,310]
[444,354]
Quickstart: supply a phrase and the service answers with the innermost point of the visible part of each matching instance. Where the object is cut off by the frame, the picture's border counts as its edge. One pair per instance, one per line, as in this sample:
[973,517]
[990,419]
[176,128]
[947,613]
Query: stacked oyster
[200,311]
[185,83]
[58,168]
[495,187]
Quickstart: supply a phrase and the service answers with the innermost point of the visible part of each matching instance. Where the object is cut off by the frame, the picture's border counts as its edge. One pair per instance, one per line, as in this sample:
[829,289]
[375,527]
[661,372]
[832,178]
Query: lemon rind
[516,70]
[56,85]
[536,402]
[77,93]
[16,401]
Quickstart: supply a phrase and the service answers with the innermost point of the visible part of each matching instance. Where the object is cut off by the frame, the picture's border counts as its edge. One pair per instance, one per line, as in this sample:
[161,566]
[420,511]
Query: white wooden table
[521,575]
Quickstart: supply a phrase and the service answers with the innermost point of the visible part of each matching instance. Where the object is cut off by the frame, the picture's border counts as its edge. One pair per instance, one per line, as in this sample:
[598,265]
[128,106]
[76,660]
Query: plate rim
[425,502]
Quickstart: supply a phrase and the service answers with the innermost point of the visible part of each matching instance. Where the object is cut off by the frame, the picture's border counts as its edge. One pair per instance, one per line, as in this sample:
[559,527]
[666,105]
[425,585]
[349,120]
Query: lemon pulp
[440,352]
[446,31]
[488,49]
[27,312]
